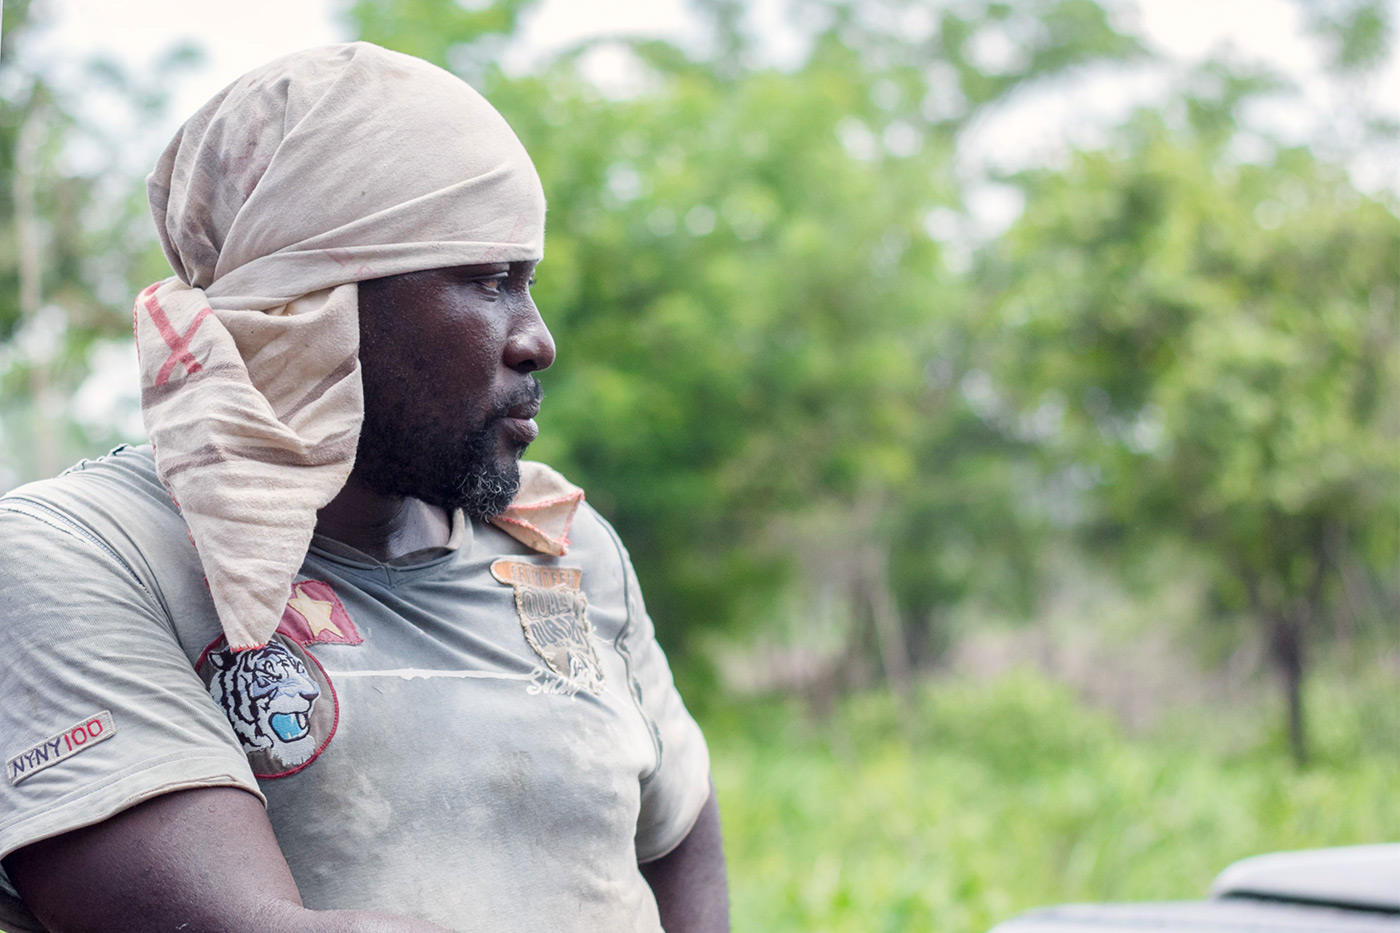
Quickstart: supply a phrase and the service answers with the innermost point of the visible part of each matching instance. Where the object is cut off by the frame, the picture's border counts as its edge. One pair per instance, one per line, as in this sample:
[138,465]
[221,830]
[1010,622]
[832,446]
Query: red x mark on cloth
[179,343]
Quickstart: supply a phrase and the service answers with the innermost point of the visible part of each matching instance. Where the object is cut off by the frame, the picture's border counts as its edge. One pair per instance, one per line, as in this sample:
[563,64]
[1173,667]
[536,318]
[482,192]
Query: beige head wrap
[301,178]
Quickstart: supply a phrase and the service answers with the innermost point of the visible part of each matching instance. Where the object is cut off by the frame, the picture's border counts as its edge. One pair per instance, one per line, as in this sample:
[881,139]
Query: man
[328,657]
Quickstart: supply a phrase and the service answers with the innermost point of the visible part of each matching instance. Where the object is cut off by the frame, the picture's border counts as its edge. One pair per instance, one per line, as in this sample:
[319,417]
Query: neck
[384,527]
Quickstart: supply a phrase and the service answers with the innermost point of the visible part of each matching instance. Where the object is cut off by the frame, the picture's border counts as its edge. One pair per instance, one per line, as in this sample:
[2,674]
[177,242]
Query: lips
[519,421]
[522,430]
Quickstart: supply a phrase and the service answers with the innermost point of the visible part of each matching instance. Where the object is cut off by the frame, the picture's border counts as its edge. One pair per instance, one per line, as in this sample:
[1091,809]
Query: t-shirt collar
[458,538]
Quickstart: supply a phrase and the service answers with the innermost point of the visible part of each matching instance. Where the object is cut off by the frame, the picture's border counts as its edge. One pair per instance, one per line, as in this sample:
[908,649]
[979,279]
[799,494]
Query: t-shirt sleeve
[675,791]
[100,707]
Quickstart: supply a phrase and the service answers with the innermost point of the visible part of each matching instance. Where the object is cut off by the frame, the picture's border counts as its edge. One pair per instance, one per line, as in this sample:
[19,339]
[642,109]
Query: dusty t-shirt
[478,735]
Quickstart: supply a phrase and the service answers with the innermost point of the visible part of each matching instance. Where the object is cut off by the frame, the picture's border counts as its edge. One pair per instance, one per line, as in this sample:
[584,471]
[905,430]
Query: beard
[449,469]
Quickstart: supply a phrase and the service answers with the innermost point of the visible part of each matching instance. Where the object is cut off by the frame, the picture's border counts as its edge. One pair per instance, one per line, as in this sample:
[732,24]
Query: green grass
[1012,794]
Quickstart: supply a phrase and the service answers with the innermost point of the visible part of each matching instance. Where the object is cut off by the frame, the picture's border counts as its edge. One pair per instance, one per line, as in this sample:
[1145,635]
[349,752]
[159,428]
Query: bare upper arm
[690,882]
[197,861]
[188,857]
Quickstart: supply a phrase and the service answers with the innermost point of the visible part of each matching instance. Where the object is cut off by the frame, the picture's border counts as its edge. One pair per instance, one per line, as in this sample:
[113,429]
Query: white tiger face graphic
[269,696]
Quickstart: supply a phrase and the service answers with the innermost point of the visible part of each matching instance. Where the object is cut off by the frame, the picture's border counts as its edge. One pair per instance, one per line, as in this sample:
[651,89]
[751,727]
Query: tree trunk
[889,628]
[1286,647]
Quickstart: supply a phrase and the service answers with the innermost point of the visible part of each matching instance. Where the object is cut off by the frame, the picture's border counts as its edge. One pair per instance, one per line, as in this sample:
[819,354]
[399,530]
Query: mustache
[529,393]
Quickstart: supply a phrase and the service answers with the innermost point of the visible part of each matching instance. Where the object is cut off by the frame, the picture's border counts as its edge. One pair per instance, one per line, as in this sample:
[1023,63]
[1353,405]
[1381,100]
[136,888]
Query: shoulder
[123,481]
[593,538]
[113,507]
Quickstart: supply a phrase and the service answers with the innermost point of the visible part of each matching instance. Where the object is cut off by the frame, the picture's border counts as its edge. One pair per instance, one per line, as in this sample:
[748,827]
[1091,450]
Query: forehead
[445,276]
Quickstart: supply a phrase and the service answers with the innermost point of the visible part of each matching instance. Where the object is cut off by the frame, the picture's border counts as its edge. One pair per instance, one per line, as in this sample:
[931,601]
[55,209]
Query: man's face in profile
[447,358]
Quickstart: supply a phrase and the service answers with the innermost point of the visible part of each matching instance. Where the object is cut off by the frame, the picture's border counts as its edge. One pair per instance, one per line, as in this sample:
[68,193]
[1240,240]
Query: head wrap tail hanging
[300,179]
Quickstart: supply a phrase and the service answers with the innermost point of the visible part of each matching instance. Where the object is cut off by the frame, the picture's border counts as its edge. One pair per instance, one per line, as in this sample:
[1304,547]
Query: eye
[492,284]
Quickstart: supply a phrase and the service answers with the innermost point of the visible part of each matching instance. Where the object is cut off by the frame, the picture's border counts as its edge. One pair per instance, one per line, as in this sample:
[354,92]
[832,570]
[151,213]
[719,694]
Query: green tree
[75,232]
[1219,343]
[1357,35]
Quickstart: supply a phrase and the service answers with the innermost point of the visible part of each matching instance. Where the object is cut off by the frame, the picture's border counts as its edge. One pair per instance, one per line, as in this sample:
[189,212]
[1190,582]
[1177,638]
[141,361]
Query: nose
[531,347]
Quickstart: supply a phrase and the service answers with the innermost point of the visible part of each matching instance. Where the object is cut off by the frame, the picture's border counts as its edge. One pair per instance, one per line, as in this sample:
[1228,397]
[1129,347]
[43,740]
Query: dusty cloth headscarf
[298,180]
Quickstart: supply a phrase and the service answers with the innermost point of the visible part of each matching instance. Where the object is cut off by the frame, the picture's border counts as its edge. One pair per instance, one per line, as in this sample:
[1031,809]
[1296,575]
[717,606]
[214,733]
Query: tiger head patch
[277,698]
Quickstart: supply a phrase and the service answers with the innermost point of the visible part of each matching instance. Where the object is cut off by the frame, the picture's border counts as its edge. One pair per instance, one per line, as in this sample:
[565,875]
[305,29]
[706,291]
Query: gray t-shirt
[478,735]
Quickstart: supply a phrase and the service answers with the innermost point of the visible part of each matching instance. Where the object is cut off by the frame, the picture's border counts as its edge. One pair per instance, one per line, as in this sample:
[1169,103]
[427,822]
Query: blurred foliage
[1220,344]
[75,237]
[813,401]
[1013,795]
[806,389]
[1358,33]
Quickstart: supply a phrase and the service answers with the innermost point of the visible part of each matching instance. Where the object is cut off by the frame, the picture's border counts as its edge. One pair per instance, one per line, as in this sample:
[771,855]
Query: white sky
[243,35]
[1037,127]
[240,36]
